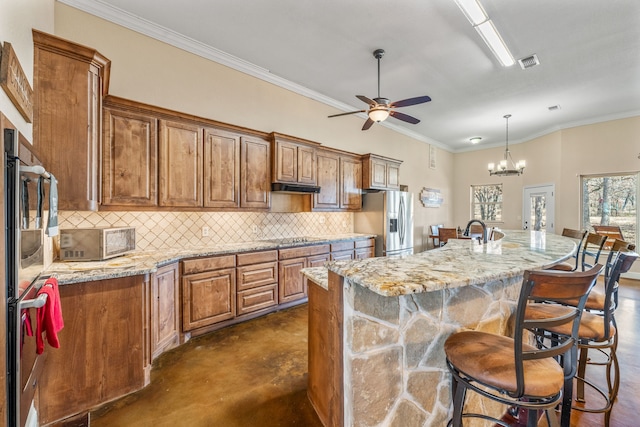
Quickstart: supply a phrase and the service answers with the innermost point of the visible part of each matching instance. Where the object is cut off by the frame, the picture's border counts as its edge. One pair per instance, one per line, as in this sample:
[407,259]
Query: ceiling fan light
[379,114]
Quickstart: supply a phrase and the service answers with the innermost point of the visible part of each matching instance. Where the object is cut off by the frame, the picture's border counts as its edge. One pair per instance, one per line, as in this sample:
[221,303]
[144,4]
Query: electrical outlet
[205,231]
[254,229]
[321,219]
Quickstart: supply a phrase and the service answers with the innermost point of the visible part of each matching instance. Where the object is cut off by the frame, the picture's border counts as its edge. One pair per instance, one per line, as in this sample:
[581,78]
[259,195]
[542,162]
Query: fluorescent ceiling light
[491,37]
[473,11]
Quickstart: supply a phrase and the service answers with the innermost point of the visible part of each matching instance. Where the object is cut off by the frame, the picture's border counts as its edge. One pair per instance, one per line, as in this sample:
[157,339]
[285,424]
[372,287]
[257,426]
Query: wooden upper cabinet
[180,164]
[350,183]
[69,82]
[340,181]
[129,159]
[328,181]
[294,160]
[380,173]
[221,169]
[255,173]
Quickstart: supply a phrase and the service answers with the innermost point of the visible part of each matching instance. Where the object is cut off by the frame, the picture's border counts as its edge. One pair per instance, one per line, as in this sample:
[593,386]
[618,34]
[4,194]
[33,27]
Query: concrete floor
[255,374]
[251,374]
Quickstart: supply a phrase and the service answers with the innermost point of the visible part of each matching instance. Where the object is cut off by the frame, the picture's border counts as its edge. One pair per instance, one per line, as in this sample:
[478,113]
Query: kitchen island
[377,326]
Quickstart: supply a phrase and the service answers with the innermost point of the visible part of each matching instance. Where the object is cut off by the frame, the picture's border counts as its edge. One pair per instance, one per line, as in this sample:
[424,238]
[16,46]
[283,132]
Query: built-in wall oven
[23,201]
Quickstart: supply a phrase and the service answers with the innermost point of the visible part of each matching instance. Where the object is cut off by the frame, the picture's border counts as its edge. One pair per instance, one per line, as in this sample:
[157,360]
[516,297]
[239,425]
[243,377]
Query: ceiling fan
[381,108]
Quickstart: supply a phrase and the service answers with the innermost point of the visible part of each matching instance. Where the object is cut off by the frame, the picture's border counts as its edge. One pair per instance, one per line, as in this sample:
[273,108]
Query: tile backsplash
[163,230]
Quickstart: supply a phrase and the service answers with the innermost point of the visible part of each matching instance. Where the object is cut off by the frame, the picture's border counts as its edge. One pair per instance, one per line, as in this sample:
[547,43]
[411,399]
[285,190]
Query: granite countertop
[458,263]
[318,275]
[145,262]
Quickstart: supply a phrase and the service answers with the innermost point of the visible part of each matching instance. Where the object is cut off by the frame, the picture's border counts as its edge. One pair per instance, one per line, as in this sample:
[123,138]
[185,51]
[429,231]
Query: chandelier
[507,167]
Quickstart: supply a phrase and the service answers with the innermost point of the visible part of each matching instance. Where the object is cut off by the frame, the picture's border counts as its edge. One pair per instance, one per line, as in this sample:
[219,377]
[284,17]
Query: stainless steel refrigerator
[389,215]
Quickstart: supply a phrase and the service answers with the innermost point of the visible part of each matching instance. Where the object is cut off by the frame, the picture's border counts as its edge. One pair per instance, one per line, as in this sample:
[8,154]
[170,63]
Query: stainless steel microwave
[96,244]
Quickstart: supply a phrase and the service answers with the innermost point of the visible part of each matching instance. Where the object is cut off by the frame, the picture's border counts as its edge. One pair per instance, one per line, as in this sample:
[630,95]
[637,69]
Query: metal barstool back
[512,371]
[592,249]
[579,236]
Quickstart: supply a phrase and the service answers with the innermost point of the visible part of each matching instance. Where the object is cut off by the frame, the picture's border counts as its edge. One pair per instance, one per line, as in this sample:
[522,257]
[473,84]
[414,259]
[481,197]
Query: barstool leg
[459,392]
[567,396]
[582,368]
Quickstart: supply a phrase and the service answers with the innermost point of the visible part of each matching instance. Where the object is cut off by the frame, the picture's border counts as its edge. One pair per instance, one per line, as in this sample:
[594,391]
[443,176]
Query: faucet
[484,229]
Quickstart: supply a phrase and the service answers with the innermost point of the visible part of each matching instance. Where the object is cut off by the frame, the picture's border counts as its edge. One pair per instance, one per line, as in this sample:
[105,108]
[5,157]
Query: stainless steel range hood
[294,188]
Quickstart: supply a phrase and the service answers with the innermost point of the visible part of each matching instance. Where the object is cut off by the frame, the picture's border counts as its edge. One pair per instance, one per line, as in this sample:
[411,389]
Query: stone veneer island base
[377,326]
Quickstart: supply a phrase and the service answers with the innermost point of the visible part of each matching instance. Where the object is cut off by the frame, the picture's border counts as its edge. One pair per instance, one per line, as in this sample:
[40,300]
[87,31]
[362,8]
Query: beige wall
[17,18]
[153,72]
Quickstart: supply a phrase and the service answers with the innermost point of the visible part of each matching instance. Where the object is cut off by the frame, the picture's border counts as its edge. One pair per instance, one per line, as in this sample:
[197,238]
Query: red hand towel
[49,316]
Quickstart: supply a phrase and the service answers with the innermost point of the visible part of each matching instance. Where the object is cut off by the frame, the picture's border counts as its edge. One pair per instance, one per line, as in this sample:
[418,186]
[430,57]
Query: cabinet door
[286,161]
[255,173]
[180,164]
[292,283]
[350,183]
[318,260]
[378,173]
[221,169]
[393,176]
[208,298]
[306,165]
[67,121]
[329,181]
[164,309]
[129,159]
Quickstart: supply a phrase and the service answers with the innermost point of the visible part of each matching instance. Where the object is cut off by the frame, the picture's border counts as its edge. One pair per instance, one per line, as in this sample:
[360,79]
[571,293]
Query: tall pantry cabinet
[69,82]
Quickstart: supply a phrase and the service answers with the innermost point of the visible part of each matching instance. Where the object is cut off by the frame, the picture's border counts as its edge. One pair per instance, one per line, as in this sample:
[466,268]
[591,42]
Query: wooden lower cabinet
[101,355]
[165,325]
[208,291]
[292,283]
[365,249]
[257,281]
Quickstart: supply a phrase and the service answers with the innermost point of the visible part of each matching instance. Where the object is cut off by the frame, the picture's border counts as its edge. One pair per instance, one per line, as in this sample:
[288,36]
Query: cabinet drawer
[303,251]
[257,257]
[364,243]
[252,276]
[257,298]
[198,265]
[342,246]
[342,255]
[363,253]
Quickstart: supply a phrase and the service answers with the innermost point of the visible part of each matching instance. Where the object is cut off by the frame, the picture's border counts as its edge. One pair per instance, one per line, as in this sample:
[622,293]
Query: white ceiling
[589,52]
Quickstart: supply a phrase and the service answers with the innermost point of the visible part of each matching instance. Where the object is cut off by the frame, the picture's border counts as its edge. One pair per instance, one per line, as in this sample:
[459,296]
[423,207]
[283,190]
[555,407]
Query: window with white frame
[486,202]
[611,200]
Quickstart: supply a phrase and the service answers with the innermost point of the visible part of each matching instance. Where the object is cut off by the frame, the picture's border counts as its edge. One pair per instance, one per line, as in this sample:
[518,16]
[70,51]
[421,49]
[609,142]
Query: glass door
[538,208]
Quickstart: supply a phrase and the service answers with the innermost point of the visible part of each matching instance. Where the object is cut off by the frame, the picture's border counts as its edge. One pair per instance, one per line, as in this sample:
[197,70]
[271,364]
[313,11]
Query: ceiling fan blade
[346,114]
[365,99]
[404,117]
[367,124]
[410,101]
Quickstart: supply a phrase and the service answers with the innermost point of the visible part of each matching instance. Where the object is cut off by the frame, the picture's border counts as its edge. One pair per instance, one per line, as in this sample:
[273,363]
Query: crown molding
[140,25]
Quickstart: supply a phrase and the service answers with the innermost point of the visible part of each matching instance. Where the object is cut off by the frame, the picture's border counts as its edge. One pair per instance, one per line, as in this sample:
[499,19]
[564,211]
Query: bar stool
[512,372]
[597,332]
[580,237]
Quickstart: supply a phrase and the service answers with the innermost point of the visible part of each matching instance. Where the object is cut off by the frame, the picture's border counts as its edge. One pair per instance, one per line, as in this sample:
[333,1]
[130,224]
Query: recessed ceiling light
[475,139]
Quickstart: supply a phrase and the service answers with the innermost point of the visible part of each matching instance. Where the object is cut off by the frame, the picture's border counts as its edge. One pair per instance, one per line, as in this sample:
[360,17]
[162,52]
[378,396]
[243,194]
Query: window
[486,202]
[611,200]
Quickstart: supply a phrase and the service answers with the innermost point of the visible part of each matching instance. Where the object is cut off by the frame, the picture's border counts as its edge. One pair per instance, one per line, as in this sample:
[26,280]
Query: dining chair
[444,234]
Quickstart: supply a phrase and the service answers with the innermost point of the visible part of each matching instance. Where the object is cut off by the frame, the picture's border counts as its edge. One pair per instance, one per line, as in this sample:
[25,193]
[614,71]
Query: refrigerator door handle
[401,224]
